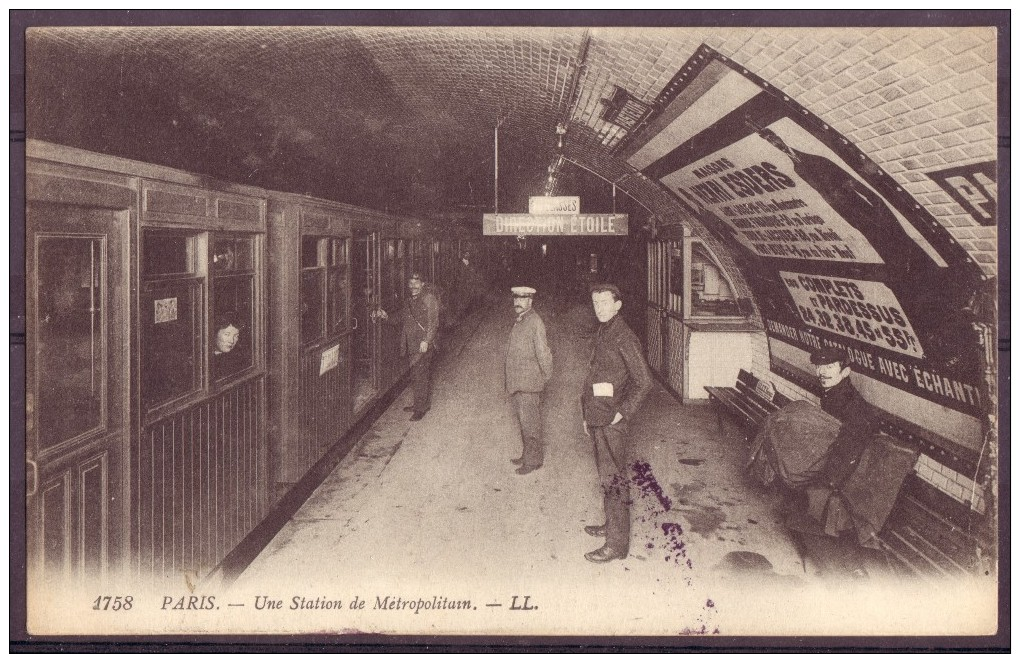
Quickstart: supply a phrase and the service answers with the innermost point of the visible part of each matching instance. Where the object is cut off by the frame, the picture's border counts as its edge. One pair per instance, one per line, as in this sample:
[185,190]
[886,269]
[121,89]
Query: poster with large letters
[835,251]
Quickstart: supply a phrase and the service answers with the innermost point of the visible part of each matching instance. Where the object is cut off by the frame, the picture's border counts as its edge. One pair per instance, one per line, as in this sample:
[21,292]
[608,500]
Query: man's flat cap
[523,291]
[828,355]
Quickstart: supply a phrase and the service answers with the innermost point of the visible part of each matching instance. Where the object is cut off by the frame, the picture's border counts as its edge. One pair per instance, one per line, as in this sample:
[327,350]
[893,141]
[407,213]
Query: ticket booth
[699,329]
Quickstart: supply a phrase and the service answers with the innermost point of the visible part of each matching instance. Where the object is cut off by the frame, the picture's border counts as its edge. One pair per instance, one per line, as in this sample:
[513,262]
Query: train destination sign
[539,204]
[527,224]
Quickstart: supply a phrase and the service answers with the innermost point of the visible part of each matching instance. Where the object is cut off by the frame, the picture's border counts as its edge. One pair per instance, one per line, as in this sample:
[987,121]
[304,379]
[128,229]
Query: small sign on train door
[329,360]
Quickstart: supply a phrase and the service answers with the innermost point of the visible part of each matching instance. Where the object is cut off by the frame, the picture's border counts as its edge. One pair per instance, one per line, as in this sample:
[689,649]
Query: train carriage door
[77,392]
[365,298]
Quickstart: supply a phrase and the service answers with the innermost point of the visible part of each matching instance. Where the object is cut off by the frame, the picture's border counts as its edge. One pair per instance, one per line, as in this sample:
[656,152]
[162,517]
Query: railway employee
[420,319]
[529,365]
[618,381]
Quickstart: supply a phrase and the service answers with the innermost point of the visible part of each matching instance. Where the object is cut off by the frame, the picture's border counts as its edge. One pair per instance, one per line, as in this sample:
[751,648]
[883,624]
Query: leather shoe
[595,530]
[417,415]
[523,470]
[604,554]
[518,461]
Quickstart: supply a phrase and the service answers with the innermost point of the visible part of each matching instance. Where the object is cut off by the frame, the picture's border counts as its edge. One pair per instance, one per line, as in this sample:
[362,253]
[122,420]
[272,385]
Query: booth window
[233,302]
[676,277]
[171,316]
[712,294]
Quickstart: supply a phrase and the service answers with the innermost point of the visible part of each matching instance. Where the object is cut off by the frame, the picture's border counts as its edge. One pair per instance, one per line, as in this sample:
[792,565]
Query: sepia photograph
[602,329]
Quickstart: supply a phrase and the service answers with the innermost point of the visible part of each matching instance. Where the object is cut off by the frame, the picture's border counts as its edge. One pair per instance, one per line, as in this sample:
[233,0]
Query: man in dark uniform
[827,532]
[841,400]
[529,365]
[617,382]
[420,319]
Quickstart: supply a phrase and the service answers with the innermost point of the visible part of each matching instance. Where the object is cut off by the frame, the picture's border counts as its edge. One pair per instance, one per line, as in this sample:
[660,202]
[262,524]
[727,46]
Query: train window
[337,280]
[312,287]
[231,254]
[171,339]
[711,292]
[171,317]
[233,302]
[167,254]
[391,280]
[69,339]
[310,247]
[311,305]
[325,277]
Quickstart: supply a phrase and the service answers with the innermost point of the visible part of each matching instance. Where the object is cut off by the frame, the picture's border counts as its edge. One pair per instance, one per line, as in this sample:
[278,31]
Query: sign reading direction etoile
[527,224]
[554,216]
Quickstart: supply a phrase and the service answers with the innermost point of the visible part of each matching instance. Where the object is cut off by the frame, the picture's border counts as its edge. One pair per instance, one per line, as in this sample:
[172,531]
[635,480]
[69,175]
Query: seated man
[841,399]
[849,499]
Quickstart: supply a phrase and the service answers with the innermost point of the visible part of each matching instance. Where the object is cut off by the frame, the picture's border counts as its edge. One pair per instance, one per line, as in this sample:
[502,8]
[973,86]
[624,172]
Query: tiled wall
[913,100]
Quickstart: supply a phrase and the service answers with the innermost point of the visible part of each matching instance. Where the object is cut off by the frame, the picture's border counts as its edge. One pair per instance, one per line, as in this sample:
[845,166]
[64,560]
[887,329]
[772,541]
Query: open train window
[712,293]
[171,316]
[233,305]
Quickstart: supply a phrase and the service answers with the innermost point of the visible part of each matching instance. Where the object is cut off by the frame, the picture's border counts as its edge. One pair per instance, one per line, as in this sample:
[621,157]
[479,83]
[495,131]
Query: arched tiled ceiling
[403,119]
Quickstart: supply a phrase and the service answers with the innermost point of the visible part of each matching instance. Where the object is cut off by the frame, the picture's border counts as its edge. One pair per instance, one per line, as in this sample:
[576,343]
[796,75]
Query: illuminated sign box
[545,204]
[526,224]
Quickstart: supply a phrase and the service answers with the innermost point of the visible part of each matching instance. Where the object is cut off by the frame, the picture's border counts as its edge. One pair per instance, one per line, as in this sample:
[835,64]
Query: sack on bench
[792,444]
[865,499]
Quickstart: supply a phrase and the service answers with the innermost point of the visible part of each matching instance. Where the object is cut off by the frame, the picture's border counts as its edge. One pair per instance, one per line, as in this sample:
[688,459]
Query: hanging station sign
[539,204]
[835,251]
[527,224]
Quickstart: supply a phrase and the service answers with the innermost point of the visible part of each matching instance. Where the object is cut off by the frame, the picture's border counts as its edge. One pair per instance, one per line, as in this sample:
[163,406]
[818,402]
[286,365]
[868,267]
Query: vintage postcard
[362,326]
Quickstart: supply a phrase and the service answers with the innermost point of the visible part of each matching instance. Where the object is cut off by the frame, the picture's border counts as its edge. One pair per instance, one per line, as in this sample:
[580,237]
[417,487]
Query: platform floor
[434,510]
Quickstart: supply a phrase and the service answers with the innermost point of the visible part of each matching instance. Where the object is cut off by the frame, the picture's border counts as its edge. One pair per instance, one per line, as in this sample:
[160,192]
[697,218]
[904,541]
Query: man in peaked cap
[529,365]
[841,399]
[827,532]
[420,327]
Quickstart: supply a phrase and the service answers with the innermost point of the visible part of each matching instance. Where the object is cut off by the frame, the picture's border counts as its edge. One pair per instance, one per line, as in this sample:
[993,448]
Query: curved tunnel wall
[910,112]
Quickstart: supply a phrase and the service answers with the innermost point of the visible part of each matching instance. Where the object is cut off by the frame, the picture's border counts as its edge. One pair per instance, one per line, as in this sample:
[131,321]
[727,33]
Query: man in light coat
[529,365]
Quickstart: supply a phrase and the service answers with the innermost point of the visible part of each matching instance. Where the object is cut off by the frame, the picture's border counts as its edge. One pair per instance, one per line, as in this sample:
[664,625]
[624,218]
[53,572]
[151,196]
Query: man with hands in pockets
[618,381]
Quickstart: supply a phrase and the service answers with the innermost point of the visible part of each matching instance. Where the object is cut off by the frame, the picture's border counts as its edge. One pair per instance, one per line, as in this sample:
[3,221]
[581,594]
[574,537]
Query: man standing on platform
[618,381]
[529,366]
[420,318]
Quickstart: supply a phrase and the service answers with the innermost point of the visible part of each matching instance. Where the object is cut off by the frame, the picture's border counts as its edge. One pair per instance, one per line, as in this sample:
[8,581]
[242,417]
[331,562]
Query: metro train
[154,448]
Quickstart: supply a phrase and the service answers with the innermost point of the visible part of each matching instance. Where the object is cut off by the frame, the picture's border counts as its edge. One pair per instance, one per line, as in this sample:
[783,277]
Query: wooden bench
[750,402]
[928,533]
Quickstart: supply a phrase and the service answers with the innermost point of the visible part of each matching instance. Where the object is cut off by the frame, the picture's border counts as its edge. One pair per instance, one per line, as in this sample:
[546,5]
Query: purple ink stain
[649,485]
